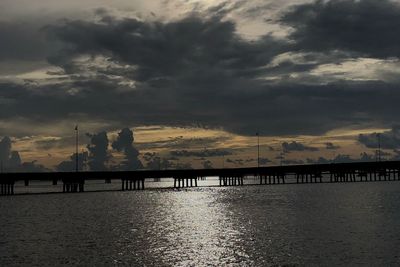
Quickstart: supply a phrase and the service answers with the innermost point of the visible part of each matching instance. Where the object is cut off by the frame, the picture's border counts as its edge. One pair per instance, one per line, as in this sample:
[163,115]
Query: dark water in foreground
[314,224]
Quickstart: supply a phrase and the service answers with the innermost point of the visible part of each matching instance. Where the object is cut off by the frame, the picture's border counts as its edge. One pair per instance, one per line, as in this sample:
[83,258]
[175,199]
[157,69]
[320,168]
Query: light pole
[379,146]
[76,148]
[258,150]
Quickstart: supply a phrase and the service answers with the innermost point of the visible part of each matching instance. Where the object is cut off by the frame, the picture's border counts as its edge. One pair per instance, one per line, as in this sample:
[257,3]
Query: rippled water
[314,224]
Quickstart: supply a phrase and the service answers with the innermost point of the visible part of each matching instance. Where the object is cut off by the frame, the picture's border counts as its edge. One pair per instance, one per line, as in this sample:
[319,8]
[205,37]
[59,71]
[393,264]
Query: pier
[74,182]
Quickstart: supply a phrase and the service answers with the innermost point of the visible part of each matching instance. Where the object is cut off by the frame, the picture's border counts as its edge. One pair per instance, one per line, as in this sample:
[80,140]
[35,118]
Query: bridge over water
[135,180]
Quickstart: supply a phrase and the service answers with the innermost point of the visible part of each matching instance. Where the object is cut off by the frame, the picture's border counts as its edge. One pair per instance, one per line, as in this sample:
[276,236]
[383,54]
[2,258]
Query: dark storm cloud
[23,41]
[10,160]
[5,149]
[191,48]
[387,140]
[296,146]
[98,151]
[124,143]
[367,27]
[190,72]
[280,109]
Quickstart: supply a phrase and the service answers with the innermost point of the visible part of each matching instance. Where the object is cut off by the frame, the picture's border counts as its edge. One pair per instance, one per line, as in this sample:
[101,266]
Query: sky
[189,83]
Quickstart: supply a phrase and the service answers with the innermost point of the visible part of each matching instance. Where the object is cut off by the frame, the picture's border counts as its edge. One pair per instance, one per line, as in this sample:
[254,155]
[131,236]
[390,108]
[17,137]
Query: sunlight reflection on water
[200,231]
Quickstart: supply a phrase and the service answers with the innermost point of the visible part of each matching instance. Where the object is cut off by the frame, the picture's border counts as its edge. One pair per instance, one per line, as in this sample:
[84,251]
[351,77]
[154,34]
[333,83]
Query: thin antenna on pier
[258,150]
[379,147]
[76,148]
[378,151]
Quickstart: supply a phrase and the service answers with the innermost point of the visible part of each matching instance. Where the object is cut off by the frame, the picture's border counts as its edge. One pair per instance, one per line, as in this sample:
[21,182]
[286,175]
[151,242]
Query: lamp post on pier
[76,148]
[379,146]
[258,150]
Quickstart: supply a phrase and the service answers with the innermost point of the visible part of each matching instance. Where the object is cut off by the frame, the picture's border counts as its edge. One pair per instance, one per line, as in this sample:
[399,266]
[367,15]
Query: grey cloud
[320,160]
[396,155]
[263,161]
[155,162]
[70,165]
[343,158]
[270,148]
[32,166]
[292,162]
[61,142]
[181,143]
[331,146]
[367,27]
[182,166]
[367,157]
[388,139]
[207,164]
[239,162]
[296,146]
[203,153]
[249,162]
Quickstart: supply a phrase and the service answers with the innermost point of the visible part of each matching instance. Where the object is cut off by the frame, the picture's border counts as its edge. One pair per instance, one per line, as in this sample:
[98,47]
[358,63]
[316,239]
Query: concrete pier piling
[73,185]
[132,184]
[272,178]
[191,181]
[7,187]
[231,180]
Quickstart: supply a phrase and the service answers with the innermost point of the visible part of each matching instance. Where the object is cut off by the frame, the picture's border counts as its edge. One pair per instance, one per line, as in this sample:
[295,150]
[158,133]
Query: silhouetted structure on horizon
[135,180]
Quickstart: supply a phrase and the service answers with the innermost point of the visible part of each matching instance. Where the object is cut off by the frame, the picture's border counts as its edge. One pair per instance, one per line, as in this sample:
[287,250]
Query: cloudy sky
[196,80]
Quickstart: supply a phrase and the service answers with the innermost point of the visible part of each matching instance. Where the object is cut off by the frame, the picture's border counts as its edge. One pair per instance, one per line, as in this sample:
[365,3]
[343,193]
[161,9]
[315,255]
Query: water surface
[309,224]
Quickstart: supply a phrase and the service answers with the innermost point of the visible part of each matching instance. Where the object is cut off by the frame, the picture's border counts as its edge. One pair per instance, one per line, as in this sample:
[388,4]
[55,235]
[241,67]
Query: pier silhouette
[135,180]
